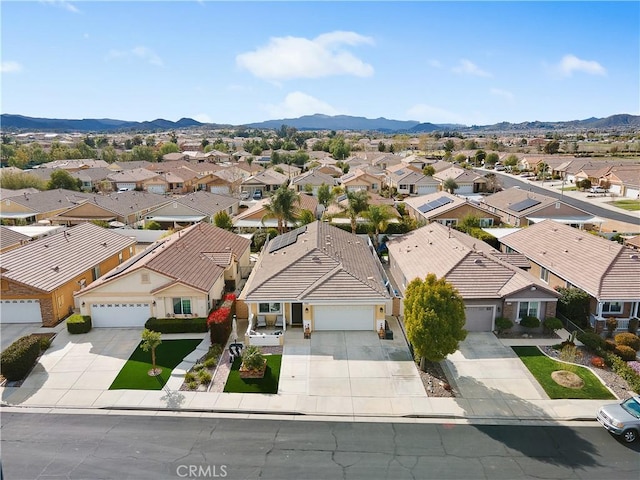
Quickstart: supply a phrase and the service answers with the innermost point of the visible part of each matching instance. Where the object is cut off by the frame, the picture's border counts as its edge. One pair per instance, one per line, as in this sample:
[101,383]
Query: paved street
[116,446]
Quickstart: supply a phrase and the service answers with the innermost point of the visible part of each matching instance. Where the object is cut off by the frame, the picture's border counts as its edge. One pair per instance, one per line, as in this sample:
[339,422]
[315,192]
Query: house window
[182,306]
[272,307]
[448,222]
[95,272]
[544,275]
[612,307]
[486,222]
[528,309]
[120,257]
[403,187]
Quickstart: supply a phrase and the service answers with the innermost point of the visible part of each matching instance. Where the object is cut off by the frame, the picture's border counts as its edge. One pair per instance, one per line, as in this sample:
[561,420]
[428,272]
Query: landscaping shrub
[552,324]
[192,385]
[592,341]
[77,323]
[19,357]
[252,358]
[624,370]
[597,362]
[177,325]
[198,366]
[612,324]
[204,377]
[45,343]
[530,322]
[625,353]
[210,362]
[574,304]
[609,345]
[214,352]
[219,321]
[503,324]
[628,339]
[189,377]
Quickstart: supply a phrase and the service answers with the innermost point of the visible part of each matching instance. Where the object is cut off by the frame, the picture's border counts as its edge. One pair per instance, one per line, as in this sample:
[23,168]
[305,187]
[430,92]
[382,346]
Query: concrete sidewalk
[76,374]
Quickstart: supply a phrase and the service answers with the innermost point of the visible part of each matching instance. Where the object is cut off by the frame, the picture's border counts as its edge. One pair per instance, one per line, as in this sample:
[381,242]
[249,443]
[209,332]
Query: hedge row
[77,323]
[20,357]
[177,325]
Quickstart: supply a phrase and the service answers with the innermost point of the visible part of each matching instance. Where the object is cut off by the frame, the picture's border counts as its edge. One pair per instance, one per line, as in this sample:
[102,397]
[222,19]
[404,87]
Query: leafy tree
[357,202]
[223,220]
[63,179]
[382,147]
[19,180]
[142,152]
[491,159]
[468,222]
[325,195]
[574,304]
[168,147]
[109,154]
[460,158]
[20,157]
[339,149]
[150,341]
[428,170]
[450,185]
[449,146]
[150,141]
[552,147]
[401,142]
[152,225]
[281,206]
[100,223]
[470,144]
[434,318]
[584,184]
[204,143]
[378,217]
[511,160]
[479,157]
[306,216]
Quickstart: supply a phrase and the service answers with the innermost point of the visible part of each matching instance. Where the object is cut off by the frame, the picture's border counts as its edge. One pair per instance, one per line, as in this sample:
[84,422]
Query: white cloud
[427,113]
[297,104]
[68,6]
[10,67]
[467,67]
[507,95]
[202,118]
[286,58]
[142,53]
[571,63]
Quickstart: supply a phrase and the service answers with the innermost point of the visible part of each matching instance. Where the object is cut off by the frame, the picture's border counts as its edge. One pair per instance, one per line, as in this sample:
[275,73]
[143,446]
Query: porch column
[599,310]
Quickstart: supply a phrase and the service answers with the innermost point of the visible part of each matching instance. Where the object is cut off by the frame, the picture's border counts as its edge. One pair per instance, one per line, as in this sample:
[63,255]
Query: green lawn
[268,384]
[632,205]
[168,355]
[542,367]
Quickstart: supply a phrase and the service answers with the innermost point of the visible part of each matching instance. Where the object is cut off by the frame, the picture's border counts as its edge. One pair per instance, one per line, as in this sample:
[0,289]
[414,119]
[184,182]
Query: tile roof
[7,193]
[471,265]
[514,198]
[313,177]
[133,175]
[195,256]
[125,203]
[206,202]
[52,261]
[50,200]
[322,263]
[604,269]
[9,238]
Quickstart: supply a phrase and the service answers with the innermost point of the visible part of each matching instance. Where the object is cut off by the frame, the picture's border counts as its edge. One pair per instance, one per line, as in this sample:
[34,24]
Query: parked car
[622,419]
[244,195]
[257,195]
[598,190]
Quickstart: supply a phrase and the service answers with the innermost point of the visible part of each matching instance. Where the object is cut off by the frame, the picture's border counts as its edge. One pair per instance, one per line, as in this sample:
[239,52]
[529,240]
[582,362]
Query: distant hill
[316,122]
[338,122]
[20,122]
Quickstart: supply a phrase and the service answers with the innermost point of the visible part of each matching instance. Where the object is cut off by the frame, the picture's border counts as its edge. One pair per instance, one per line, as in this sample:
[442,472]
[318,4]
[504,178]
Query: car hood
[617,413]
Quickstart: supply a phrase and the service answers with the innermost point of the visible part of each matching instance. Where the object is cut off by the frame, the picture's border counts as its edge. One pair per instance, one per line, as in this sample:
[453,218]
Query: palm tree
[378,216]
[358,202]
[281,206]
[450,185]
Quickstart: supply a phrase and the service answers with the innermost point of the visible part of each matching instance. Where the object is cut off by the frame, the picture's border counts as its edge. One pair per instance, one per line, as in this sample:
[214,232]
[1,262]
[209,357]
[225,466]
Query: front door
[296,314]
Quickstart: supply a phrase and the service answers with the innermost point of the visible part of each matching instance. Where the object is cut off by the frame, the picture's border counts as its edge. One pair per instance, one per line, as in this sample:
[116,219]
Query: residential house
[256,216]
[180,276]
[623,181]
[133,179]
[174,156]
[318,277]
[447,209]
[290,171]
[36,207]
[131,165]
[467,180]
[310,181]
[10,239]
[489,286]
[562,256]
[361,180]
[7,193]
[200,206]
[336,215]
[519,207]
[125,208]
[266,182]
[93,178]
[39,278]
[74,165]
[407,181]
[224,182]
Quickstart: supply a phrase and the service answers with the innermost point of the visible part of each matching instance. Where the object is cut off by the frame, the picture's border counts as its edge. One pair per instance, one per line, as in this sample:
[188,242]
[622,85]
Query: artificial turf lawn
[268,384]
[632,205]
[542,367]
[134,375]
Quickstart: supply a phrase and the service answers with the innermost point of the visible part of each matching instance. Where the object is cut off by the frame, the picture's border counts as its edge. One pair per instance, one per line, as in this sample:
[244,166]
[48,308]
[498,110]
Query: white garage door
[119,314]
[479,319]
[156,189]
[426,189]
[20,311]
[343,317]
[632,193]
[220,189]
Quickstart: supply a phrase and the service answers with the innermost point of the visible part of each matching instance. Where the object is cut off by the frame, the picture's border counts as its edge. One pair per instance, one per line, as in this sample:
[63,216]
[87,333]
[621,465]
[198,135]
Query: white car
[598,190]
[622,419]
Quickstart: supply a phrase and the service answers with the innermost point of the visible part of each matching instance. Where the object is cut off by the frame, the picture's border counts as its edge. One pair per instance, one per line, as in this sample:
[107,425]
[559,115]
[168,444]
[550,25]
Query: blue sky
[240,62]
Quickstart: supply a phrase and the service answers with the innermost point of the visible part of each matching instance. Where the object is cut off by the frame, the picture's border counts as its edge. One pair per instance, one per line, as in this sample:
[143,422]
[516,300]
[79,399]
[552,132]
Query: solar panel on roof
[286,239]
[524,204]
[432,205]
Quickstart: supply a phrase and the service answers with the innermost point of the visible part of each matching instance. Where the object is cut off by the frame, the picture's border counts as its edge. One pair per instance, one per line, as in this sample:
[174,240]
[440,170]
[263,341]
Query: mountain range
[9,122]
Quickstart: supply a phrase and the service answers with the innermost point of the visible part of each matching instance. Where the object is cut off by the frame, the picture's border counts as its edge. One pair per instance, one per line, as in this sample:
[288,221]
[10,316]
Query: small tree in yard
[150,341]
[434,318]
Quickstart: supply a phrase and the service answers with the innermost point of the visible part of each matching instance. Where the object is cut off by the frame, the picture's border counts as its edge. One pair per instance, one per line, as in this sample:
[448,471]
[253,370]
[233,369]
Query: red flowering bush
[219,320]
[597,362]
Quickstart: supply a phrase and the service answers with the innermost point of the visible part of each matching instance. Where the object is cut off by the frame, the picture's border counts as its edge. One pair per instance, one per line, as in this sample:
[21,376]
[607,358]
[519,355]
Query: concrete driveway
[10,332]
[484,368]
[348,364]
